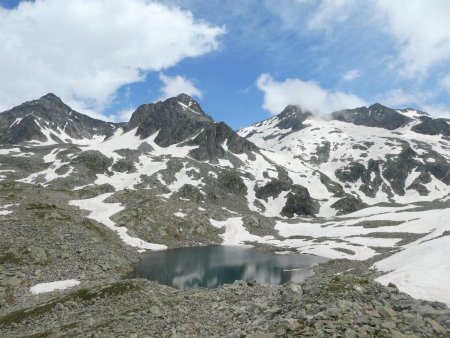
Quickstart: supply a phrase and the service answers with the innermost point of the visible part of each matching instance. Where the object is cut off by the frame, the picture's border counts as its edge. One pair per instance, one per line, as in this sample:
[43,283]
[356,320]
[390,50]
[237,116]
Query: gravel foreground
[322,306]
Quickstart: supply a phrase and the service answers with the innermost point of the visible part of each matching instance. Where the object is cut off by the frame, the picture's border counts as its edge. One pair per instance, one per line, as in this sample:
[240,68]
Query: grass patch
[21,315]
[10,258]
[83,295]
[43,334]
[100,230]
[115,289]
[40,206]
[341,284]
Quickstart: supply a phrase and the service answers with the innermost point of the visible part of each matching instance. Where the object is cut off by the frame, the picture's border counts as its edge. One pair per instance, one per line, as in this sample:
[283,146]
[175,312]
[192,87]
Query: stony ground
[338,306]
[52,240]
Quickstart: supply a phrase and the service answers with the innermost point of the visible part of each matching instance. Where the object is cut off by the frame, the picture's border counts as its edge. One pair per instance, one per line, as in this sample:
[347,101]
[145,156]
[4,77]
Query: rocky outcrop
[348,204]
[430,126]
[211,139]
[300,203]
[93,161]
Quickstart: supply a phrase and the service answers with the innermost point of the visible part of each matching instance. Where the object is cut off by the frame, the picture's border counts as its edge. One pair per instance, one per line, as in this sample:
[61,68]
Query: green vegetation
[83,295]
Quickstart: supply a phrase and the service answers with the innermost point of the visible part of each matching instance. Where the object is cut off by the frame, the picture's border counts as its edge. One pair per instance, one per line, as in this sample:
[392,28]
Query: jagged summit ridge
[49,120]
[176,119]
[376,115]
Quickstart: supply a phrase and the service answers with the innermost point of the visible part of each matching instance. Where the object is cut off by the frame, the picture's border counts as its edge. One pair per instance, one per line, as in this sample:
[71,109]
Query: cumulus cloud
[84,50]
[307,94]
[174,85]
[421,29]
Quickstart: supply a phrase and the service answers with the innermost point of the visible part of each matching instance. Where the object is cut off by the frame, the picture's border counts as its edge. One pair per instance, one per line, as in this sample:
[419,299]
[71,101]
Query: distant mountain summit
[380,116]
[50,120]
[376,115]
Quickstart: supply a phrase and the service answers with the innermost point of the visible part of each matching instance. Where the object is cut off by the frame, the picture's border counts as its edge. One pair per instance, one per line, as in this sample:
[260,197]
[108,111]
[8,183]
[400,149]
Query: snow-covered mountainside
[374,154]
[360,185]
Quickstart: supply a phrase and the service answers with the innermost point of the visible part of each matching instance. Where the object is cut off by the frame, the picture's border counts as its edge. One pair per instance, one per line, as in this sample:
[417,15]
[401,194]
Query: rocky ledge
[322,306]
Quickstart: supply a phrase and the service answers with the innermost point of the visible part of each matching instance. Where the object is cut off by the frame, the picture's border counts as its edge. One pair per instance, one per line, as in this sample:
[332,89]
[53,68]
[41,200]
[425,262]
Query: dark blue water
[212,266]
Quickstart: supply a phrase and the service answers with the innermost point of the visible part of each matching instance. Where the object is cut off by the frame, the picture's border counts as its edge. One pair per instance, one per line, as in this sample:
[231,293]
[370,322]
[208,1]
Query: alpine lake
[212,266]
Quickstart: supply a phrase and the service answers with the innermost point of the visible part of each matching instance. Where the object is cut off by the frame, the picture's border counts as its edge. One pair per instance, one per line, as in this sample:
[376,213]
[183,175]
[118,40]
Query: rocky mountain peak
[176,119]
[292,117]
[49,119]
[51,97]
[376,115]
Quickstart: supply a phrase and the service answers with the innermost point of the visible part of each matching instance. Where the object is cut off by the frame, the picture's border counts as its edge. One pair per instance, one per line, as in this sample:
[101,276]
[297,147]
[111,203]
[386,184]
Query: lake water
[211,266]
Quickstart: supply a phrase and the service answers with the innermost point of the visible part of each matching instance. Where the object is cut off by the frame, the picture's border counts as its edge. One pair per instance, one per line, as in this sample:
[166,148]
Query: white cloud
[331,11]
[437,110]
[421,29]
[351,75]
[125,114]
[445,83]
[307,94]
[84,50]
[398,98]
[174,85]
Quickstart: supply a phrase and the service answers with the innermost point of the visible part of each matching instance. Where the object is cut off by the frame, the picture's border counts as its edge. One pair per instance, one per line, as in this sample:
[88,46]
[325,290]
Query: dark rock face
[190,192]
[322,153]
[210,141]
[232,182]
[181,119]
[23,123]
[370,177]
[397,168]
[176,119]
[348,204]
[93,160]
[271,189]
[374,116]
[299,202]
[430,126]
[331,185]
[292,117]
[124,166]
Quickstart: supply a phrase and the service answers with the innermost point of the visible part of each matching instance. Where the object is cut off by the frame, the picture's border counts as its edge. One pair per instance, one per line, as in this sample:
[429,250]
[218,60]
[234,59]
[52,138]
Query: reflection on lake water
[212,266]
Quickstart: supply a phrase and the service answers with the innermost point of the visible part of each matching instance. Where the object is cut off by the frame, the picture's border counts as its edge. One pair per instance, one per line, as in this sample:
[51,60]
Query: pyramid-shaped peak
[292,117]
[51,97]
[185,98]
[377,106]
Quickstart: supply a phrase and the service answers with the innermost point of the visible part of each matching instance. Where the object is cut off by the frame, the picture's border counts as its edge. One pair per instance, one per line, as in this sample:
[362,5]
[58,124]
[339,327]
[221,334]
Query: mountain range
[364,184]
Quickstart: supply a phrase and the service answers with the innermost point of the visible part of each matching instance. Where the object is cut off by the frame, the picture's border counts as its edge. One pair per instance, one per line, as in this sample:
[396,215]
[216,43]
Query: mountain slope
[384,159]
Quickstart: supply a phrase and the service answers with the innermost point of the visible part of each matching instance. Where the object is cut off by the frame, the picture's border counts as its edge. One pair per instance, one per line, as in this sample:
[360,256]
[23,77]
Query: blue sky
[243,60]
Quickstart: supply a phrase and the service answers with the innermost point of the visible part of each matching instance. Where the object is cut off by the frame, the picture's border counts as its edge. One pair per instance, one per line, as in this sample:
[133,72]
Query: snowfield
[101,212]
[53,286]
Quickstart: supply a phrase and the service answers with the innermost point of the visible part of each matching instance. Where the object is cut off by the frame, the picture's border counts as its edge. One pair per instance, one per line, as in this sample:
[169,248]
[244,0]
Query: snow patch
[53,286]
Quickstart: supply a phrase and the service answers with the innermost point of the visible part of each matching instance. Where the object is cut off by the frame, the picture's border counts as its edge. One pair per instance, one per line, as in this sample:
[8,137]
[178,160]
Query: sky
[243,61]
